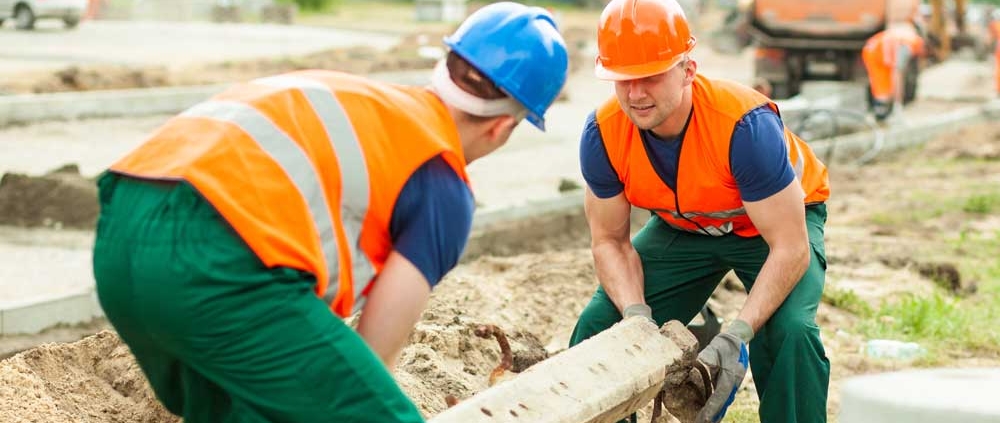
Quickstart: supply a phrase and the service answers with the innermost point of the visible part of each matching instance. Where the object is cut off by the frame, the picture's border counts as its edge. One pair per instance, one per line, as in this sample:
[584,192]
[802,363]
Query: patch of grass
[982,204]
[846,299]
[919,206]
[939,322]
[742,415]
[927,205]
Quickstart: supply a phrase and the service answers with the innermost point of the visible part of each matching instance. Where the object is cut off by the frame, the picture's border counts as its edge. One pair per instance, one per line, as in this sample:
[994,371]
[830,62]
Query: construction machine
[803,40]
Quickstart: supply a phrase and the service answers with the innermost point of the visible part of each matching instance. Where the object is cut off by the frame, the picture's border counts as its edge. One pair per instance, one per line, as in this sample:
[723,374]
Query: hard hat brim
[536,120]
[626,73]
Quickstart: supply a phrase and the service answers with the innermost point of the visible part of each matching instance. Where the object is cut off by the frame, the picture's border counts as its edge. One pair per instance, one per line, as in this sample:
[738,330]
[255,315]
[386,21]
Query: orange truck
[802,40]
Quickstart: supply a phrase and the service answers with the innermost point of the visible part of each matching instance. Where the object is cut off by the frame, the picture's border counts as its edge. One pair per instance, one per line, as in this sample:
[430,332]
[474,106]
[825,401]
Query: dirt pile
[60,198]
[94,380]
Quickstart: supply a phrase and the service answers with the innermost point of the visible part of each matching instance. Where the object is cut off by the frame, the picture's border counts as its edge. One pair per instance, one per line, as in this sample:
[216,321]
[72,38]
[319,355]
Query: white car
[26,12]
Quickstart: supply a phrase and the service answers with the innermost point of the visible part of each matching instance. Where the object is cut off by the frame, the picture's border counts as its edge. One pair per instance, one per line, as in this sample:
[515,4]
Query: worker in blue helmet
[232,243]
[520,50]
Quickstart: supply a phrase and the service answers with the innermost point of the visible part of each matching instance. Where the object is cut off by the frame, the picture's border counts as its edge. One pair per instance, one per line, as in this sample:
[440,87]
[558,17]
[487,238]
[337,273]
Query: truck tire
[779,90]
[71,21]
[910,80]
[785,89]
[24,18]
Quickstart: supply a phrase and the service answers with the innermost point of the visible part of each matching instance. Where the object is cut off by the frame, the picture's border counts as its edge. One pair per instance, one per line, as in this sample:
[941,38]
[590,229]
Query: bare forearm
[620,272]
[778,276]
[387,333]
[394,305]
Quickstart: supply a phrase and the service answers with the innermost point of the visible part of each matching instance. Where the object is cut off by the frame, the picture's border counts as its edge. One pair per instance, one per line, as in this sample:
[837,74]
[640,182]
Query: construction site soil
[535,293]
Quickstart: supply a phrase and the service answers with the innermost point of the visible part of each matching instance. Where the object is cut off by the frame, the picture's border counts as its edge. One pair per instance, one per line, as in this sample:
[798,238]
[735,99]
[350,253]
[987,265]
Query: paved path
[167,43]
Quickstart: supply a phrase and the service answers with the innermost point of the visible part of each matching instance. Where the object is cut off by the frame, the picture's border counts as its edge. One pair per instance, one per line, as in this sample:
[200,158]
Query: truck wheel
[24,18]
[779,90]
[910,80]
[794,88]
[71,21]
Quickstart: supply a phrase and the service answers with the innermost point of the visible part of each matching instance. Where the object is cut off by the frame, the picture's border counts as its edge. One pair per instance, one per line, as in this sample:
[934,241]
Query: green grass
[742,413]
[943,323]
[928,205]
[939,322]
[846,299]
[982,204]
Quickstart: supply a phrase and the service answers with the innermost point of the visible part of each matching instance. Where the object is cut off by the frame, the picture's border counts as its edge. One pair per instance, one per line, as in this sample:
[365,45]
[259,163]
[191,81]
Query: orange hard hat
[640,38]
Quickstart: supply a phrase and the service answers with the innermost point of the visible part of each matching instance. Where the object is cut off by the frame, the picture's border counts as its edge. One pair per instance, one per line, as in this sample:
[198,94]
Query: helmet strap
[454,95]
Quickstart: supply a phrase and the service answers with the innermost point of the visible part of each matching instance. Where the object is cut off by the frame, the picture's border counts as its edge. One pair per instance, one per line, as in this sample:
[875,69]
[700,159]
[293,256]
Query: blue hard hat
[518,48]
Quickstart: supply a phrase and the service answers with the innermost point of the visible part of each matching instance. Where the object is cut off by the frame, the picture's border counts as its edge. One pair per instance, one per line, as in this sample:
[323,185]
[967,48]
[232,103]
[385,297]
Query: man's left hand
[727,359]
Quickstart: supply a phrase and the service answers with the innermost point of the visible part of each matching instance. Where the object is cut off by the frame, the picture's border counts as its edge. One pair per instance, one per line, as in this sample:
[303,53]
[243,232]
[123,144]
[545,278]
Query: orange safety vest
[707,200]
[879,57]
[306,167]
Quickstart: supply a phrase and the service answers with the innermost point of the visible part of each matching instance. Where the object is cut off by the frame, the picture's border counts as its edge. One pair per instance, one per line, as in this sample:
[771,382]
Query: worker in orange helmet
[730,188]
[233,242]
[887,55]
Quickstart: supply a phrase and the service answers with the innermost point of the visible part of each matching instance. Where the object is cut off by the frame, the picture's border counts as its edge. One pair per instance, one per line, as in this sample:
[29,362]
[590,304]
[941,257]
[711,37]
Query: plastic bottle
[892,349]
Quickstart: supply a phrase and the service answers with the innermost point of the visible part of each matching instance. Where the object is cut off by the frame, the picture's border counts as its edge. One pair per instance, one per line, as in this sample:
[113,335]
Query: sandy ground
[534,297]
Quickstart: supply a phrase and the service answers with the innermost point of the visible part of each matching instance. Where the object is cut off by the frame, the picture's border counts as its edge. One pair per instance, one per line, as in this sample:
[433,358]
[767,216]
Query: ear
[499,129]
[690,71]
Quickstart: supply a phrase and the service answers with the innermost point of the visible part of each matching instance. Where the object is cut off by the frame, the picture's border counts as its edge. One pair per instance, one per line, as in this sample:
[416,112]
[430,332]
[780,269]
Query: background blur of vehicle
[25,13]
[810,40]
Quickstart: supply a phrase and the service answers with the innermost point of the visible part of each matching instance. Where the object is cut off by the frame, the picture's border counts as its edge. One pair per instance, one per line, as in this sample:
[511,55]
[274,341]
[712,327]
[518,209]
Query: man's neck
[674,124]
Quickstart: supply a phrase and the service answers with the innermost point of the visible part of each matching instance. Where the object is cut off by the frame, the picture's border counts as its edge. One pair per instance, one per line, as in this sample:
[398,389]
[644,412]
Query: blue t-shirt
[432,219]
[758,157]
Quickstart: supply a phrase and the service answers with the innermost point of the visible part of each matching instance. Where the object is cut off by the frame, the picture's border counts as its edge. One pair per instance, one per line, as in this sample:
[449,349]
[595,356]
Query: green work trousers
[220,336]
[787,359]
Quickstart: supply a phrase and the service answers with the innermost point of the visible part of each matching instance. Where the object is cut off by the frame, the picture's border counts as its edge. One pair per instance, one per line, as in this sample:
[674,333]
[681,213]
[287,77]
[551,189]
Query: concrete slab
[38,265]
[33,317]
[923,396]
[29,108]
[602,379]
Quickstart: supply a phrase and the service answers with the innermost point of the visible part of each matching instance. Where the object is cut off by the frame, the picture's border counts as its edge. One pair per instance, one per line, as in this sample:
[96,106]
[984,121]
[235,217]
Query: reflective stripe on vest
[353,175]
[290,157]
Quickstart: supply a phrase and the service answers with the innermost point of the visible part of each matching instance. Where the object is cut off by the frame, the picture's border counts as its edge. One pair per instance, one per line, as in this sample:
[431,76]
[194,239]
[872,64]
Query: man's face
[649,101]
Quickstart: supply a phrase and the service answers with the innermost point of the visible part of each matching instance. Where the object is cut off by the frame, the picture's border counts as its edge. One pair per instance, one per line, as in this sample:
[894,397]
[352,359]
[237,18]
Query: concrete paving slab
[33,317]
[38,265]
[923,396]
[602,379]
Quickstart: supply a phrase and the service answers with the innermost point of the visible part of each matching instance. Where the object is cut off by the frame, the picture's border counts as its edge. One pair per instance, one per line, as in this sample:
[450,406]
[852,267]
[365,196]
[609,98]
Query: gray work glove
[638,310]
[727,359]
